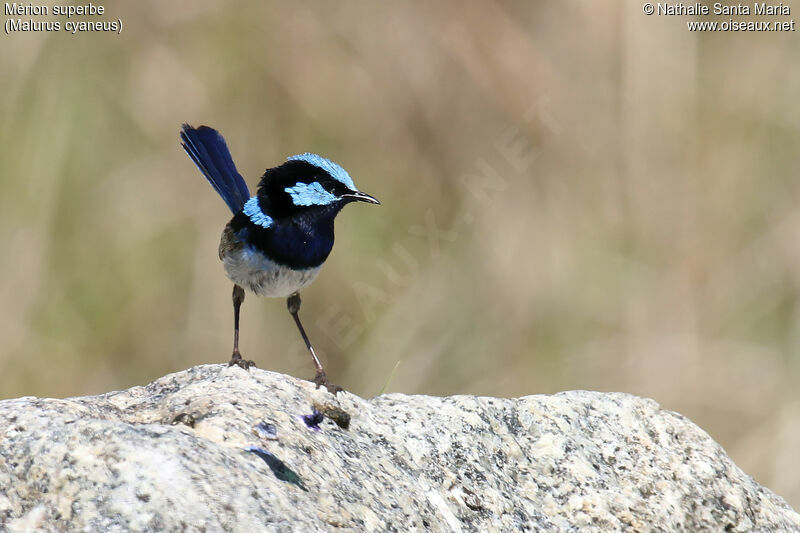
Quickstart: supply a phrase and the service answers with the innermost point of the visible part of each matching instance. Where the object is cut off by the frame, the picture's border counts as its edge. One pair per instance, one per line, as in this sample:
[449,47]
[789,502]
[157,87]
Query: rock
[220,449]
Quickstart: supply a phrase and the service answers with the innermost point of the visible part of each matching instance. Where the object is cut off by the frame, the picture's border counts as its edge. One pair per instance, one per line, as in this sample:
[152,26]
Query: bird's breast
[274,262]
[299,242]
[250,268]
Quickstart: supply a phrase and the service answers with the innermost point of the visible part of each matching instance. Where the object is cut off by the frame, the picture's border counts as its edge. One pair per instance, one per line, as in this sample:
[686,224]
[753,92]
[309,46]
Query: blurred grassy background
[575,196]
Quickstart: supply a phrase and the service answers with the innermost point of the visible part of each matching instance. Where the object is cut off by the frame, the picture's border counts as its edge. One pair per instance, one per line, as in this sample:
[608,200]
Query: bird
[279,238]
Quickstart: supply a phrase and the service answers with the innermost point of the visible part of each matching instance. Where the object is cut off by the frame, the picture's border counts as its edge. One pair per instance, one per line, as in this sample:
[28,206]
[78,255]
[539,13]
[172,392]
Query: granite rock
[220,449]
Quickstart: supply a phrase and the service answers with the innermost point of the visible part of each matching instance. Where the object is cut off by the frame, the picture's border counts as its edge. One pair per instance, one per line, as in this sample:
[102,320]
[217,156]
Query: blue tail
[209,152]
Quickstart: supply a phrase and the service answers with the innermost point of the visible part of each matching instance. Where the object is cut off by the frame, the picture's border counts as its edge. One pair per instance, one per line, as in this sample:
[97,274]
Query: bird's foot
[321,379]
[238,360]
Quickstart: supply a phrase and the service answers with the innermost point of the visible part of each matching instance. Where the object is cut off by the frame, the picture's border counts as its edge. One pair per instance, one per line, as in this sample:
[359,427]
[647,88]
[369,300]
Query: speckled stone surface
[218,449]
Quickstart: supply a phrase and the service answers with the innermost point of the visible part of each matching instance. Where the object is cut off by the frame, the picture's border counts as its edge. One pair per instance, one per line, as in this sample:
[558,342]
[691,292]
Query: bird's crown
[334,170]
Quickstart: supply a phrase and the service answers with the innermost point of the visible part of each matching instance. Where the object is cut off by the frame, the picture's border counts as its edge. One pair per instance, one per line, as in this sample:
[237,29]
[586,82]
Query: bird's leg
[293,303]
[236,358]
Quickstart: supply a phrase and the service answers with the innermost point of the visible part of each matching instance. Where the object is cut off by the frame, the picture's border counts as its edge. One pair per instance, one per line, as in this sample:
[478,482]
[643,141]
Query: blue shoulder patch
[310,194]
[256,215]
[336,172]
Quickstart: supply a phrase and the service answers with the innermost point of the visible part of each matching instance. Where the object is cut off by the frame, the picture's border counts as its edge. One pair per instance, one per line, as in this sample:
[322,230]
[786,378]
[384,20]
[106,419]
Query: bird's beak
[358,196]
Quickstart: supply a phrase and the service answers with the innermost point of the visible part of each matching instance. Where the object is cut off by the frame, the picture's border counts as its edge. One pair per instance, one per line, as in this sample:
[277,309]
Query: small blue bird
[277,240]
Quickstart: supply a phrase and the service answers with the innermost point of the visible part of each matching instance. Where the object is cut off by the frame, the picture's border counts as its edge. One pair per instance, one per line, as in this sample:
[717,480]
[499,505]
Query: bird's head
[307,183]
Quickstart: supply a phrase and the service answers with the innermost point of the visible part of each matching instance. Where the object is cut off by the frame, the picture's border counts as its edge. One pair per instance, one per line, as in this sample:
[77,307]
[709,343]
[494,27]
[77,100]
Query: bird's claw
[238,360]
[321,379]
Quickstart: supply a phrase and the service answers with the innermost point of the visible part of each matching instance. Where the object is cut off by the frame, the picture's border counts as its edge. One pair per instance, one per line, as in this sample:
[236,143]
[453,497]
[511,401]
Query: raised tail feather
[209,152]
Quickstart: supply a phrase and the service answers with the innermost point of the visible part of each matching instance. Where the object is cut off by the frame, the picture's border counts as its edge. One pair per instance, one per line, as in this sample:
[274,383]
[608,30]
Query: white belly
[250,269]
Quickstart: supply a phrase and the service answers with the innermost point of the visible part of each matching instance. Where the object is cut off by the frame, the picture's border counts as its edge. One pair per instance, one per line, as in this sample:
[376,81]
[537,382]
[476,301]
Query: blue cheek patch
[256,215]
[307,194]
[335,171]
